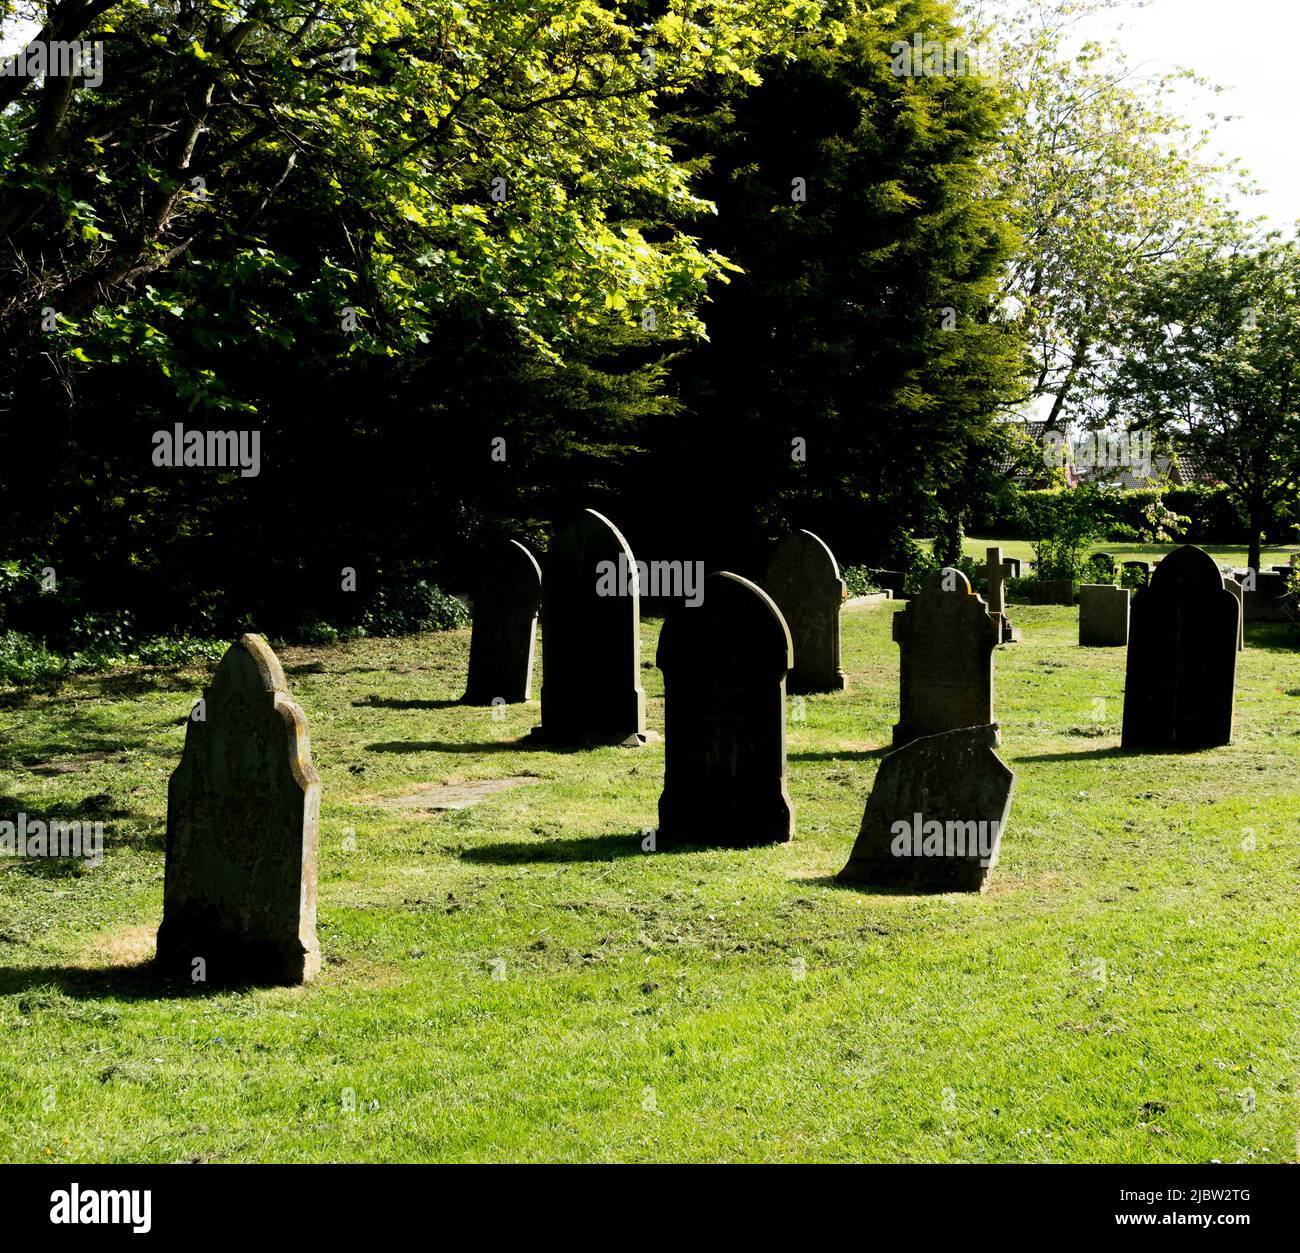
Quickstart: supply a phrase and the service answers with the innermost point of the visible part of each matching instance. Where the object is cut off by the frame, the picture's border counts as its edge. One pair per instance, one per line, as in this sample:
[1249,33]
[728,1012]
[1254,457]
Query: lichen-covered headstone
[591,637]
[804,580]
[935,817]
[724,664]
[505,627]
[946,640]
[243,806]
[1182,657]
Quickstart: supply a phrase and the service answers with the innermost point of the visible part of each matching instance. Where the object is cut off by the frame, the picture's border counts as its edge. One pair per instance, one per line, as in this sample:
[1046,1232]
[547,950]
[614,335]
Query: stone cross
[505,627]
[724,664]
[243,806]
[997,571]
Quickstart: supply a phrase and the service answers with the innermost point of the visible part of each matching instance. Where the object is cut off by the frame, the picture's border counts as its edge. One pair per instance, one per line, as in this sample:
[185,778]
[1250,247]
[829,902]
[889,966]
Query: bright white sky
[1247,45]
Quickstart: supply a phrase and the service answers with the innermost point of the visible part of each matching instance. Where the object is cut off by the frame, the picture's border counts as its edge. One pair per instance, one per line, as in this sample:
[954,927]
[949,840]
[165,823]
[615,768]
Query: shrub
[408,607]
[858,581]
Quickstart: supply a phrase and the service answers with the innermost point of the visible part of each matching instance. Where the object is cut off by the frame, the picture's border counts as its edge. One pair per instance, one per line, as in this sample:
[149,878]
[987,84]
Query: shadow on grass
[390,702]
[139,982]
[866,754]
[524,745]
[581,848]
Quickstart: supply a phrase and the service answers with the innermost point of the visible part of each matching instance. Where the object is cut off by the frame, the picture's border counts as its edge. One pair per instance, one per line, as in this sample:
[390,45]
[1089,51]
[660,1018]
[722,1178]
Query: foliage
[1064,525]
[858,581]
[409,607]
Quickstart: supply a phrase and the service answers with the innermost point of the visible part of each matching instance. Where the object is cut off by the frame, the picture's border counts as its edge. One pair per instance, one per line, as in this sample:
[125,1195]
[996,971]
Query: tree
[1107,179]
[1215,357]
[855,368]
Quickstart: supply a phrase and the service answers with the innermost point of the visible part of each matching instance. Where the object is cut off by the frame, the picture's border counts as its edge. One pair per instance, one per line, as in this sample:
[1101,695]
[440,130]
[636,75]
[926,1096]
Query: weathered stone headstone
[1230,582]
[505,627]
[1013,567]
[946,640]
[591,637]
[804,580]
[1103,615]
[1265,601]
[1182,657]
[935,816]
[724,666]
[239,900]
[997,571]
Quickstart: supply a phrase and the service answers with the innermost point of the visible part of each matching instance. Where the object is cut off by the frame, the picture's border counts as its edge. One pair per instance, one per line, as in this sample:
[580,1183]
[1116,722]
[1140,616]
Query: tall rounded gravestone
[804,580]
[724,664]
[505,627]
[1182,657]
[591,637]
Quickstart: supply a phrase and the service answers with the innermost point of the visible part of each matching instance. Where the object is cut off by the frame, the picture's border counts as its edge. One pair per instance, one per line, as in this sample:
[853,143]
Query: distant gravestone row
[243,804]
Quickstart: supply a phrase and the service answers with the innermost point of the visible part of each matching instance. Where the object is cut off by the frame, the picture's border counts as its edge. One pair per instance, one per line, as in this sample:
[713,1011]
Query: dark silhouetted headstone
[935,816]
[591,637]
[239,901]
[1103,615]
[505,627]
[946,640]
[1142,567]
[1182,657]
[805,582]
[724,666]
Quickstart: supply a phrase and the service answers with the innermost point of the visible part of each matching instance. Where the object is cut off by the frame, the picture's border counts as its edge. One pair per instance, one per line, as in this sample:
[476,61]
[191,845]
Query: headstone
[935,816]
[1103,615]
[946,640]
[505,627]
[1106,563]
[1142,567]
[591,637]
[1182,657]
[724,664]
[1013,567]
[1230,582]
[805,582]
[1266,600]
[239,900]
[997,571]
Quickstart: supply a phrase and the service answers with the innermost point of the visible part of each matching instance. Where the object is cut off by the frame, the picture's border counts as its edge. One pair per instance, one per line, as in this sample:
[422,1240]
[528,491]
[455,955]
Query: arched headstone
[505,627]
[724,664]
[591,637]
[945,675]
[243,806]
[1182,657]
[804,580]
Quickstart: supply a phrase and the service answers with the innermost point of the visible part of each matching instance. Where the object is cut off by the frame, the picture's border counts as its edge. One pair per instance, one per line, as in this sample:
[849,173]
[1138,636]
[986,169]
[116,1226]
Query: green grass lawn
[1224,554]
[519,981]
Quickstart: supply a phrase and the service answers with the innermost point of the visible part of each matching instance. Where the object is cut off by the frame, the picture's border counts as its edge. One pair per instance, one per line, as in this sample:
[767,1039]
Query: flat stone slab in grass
[456,795]
[935,816]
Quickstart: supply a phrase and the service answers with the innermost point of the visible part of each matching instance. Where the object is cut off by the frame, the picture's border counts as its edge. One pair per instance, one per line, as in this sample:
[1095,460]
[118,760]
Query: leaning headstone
[591,637]
[946,640]
[1182,657]
[1230,582]
[997,571]
[804,580]
[935,816]
[724,664]
[239,899]
[505,627]
[1103,615]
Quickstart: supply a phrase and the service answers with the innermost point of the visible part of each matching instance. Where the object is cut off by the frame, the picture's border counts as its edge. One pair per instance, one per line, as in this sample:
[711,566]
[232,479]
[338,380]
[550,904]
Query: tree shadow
[1094,754]
[390,702]
[866,754]
[142,981]
[591,848]
[524,745]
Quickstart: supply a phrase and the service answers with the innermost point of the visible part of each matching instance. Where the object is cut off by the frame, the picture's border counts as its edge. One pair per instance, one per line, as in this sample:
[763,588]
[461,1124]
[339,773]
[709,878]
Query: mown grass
[519,981]
[1225,554]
